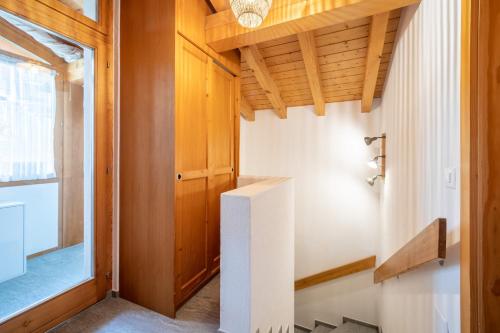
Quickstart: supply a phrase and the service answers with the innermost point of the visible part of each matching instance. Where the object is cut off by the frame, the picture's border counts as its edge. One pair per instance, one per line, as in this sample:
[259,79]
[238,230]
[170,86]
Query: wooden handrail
[428,245]
[336,273]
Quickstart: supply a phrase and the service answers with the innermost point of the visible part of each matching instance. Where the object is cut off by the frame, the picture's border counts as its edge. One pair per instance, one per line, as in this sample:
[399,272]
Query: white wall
[257,257]
[41,214]
[337,212]
[420,114]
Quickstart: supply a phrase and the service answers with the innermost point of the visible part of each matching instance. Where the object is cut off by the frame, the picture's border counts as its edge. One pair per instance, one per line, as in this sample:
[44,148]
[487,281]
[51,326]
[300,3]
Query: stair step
[350,327]
[322,329]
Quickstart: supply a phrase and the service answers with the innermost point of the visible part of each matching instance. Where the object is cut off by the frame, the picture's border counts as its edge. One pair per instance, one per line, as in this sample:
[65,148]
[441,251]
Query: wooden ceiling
[310,52]
[341,52]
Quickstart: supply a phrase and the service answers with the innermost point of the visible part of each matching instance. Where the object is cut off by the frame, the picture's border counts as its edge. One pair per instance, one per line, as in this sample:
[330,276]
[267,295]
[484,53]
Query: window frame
[62,20]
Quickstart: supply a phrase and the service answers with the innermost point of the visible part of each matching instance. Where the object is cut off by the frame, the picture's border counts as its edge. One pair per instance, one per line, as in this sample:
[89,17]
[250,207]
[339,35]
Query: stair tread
[354,328]
[322,329]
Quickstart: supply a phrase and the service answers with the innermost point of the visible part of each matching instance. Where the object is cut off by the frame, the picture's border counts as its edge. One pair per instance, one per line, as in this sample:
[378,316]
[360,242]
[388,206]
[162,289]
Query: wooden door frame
[480,184]
[61,307]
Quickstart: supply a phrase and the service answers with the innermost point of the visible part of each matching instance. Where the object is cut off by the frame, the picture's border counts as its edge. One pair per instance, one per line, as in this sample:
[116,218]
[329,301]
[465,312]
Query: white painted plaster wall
[337,213]
[41,214]
[420,114]
[257,257]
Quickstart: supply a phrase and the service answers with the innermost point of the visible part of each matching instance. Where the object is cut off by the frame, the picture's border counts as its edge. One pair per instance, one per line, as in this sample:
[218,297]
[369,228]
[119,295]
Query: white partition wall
[257,261]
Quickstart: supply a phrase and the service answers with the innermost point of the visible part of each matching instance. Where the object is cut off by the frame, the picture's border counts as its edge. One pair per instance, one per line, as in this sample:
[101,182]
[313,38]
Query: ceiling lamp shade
[250,13]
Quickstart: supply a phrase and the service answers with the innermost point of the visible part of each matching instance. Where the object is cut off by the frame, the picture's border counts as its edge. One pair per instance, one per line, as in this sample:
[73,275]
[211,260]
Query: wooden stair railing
[429,245]
[336,273]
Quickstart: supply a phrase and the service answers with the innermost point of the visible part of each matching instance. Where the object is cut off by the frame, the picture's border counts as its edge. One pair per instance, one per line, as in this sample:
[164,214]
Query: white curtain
[27,119]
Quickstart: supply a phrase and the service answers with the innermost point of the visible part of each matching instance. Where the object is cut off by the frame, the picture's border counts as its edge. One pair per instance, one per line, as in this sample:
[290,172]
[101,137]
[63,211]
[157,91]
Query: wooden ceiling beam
[256,62]
[220,5]
[310,56]
[246,110]
[25,41]
[374,54]
[286,18]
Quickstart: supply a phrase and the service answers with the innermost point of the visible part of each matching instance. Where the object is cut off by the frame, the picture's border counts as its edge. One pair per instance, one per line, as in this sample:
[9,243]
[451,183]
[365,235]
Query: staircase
[348,326]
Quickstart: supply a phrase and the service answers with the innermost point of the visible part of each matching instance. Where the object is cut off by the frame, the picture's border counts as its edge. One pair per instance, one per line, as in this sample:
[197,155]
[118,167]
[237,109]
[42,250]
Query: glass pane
[46,165]
[85,7]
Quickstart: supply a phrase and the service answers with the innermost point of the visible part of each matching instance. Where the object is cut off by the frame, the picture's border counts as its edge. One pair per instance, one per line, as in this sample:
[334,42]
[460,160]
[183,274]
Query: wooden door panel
[222,118]
[221,155]
[219,185]
[191,263]
[191,115]
[192,232]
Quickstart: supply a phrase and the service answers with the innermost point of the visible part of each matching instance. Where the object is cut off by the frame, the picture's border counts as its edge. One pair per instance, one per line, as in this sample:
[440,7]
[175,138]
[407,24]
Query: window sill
[29,182]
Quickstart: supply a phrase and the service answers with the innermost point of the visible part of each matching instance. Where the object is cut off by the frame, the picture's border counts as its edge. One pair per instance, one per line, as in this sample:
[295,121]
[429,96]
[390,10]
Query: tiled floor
[45,276]
[115,315]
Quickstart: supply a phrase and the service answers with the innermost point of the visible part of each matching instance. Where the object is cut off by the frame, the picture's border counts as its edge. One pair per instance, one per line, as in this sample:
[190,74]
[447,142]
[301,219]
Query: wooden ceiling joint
[310,56]
[376,41]
[257,64]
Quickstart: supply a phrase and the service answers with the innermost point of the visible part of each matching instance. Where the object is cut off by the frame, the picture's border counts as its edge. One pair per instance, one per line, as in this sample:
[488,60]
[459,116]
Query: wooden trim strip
[335,273]
[194,174]
[29,182]
[429,245]
[41,253]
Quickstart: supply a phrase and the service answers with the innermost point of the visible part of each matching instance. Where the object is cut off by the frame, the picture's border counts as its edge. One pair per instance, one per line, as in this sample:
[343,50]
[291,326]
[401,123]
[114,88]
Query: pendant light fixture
[250,13]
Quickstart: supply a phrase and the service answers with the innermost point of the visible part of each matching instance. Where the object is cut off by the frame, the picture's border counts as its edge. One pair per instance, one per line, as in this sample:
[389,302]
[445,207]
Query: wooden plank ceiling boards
[335,67]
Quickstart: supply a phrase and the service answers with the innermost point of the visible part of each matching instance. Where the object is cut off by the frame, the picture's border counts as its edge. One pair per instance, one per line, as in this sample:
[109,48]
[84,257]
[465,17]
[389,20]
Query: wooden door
[220,152]
[191,160]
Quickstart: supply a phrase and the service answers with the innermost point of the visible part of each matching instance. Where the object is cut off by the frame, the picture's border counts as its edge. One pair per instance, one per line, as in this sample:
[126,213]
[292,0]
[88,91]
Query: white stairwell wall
[337,213]
[257,257]
[420,113]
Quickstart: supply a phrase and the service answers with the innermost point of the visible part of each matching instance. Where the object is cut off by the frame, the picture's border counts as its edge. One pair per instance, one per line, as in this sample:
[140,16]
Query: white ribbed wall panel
[420,114]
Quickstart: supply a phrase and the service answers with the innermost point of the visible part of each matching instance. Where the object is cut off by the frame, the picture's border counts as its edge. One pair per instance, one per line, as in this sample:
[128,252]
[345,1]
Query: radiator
[12,258]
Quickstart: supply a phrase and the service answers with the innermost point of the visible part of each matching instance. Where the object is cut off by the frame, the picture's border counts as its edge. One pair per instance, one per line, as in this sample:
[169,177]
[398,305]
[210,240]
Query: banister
[429,245]
[335,273]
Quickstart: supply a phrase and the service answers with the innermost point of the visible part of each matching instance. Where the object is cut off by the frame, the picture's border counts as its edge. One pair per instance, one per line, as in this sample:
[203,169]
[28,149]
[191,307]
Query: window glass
[27,120]
[86,7]
[46,165]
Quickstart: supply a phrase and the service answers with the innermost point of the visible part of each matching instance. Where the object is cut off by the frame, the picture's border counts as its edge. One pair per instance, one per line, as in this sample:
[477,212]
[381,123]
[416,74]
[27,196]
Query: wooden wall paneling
[237,109]
[191,16]
[72,176]
[147,170]
[58,151]
[470,281]
[191,156]
[489,139]
[480,239]
[224,33]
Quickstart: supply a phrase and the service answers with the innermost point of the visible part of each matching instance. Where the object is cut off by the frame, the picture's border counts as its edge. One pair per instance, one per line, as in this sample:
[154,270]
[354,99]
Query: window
[27,120]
